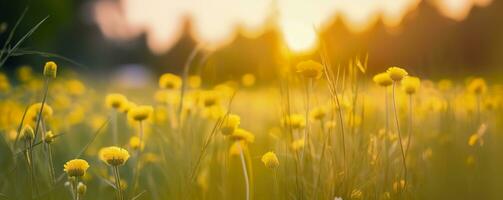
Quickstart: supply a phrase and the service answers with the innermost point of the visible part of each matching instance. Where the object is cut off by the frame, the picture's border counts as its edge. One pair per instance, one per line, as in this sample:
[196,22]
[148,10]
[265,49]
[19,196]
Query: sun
[299,36]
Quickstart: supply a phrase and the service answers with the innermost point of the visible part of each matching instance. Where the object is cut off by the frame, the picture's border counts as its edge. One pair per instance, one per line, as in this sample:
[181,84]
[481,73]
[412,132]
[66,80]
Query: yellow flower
[477,86]
[396,73]
[4,83]
[81,188]
[170,81]
[474,138]
[298,144]
[248,80]
[34,110]
[310,69]
[114,156]
[75,87]
[410,84]
[134,143]
[230,124]
[383,79]
[236,147]
[444,85]
[318,113]
[76,167]
[115,101]
[27,133]
[208,98]
[50,69]
[270,160]
[24,73]
[242,135]
[49,137]
[140,113]
[194,81]
[295,121]
[127,106]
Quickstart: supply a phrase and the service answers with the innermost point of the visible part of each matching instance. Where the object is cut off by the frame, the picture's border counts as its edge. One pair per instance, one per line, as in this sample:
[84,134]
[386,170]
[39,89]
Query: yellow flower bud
[27,133]
[270,160]
[50,69]
[81,188]
[49,137]
[230,124]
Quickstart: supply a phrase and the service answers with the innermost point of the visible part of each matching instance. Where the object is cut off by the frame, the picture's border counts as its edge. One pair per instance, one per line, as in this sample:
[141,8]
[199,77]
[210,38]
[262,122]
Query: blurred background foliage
[426,42]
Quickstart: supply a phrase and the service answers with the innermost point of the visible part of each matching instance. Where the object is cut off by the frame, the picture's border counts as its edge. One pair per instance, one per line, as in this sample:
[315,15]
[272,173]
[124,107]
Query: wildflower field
[321,128]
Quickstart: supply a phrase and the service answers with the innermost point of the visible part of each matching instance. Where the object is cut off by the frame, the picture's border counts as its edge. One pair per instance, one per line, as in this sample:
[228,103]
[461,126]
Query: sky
[216,22]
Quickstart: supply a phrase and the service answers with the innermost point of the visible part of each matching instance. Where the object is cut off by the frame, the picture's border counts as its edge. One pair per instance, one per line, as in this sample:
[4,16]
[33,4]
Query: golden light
[216,22]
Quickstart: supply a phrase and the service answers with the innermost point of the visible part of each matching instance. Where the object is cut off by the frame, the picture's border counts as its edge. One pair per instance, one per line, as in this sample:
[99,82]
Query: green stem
[245,172]
[409,130]
[138,156]
[115,127]
[404,162]
[117,177]
[39,116]
[48,151]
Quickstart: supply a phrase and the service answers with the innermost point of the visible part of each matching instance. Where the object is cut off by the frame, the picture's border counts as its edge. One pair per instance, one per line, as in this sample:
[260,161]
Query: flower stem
[409,134]
[138,156]
[245,172]
[117,177]
[400,138]
[115,124]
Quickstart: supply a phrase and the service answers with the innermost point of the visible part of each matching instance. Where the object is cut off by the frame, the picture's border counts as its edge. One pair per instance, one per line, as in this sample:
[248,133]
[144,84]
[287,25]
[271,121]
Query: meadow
[317,132]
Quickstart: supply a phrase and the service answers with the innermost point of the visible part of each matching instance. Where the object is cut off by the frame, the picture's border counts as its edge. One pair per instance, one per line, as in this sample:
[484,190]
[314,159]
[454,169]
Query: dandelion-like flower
[49,137]
[27,133]
[295,121]
[24,73]
[194,81]
[33,111]
[208,98]
[444,85]
[127,106]
[230,124]
[310,69]
[50,69]
[140,113]
[114,156]
[298,144]
[75,87]
[410,84]
[270,160]
[76,167]
[383,79]
[134,143]
[170,81]
[115,100]
[477,86]
[318,113]
[242,135]
[396,73]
